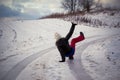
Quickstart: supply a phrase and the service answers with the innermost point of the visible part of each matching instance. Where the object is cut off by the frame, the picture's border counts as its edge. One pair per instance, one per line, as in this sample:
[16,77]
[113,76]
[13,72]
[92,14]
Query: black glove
[73,23]
[62,61]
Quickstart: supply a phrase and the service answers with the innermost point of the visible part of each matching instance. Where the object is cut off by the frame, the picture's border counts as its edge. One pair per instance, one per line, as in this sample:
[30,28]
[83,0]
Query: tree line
[77,5]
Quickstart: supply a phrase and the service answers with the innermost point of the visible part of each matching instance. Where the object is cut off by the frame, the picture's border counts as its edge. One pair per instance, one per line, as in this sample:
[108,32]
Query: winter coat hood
[57,36]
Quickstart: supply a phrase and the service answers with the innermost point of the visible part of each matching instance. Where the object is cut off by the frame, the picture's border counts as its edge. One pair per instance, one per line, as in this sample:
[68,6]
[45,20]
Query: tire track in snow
[1,33]
[15,33]
[14,72]
[76,64]
[9,28]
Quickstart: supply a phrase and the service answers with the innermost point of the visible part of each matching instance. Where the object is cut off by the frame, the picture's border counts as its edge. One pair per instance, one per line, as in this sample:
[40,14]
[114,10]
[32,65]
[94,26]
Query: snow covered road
[75,65]
[15,71]
[32,57]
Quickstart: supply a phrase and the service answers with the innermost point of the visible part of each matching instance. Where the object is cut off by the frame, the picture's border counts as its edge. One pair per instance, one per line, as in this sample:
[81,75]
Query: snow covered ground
[98,19]
[102,60]
[20,40]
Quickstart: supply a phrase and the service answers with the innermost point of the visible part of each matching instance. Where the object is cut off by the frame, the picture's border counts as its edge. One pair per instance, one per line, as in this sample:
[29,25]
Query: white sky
[34,7]
[40,8]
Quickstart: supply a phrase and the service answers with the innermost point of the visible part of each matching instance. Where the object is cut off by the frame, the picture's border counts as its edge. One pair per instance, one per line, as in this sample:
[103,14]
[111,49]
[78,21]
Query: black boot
[71,57]
[81,33]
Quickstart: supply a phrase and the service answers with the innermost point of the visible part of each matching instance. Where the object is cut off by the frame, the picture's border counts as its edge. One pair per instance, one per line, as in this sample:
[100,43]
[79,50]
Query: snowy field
[22,41]
[102,59]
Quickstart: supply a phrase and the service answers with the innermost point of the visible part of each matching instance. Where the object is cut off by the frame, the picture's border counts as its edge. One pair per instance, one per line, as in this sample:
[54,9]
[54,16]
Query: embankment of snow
[102,60]
[109,19]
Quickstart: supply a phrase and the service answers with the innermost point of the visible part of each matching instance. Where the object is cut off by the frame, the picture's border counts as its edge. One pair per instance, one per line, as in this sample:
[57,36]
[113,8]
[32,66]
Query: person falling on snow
[63,46]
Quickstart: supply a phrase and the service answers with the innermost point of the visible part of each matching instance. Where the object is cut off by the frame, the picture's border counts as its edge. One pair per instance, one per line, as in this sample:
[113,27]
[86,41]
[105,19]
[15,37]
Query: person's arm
[70,31]
[62,55]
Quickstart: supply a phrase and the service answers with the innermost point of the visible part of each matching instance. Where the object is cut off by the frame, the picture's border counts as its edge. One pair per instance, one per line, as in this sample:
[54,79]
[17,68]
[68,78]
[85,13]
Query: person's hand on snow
[62,61]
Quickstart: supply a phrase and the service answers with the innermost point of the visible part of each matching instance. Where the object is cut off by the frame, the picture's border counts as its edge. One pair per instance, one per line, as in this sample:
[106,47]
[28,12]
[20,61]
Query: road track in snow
[75,65]
[15,71]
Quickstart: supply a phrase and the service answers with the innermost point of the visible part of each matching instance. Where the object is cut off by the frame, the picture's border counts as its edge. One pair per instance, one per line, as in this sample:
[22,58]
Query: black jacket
[63,44]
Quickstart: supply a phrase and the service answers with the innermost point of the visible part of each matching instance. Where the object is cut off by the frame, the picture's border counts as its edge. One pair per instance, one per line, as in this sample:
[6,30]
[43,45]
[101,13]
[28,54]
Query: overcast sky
[37,8]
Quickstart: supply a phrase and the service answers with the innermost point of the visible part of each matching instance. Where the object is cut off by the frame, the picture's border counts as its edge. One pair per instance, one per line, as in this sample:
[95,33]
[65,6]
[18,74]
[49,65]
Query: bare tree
[99,4]
[69,5]
[77,5]
[85,4]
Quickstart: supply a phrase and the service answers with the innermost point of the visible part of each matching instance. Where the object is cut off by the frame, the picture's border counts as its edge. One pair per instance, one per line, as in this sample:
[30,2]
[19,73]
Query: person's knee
[73,41]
